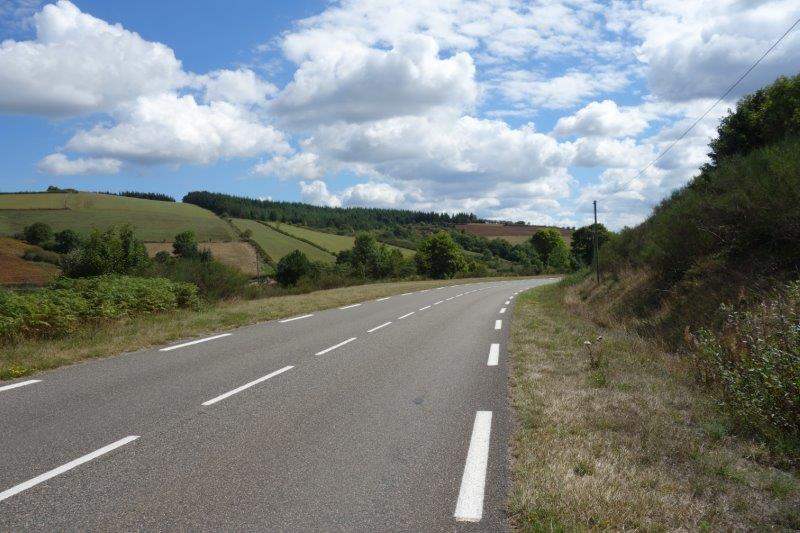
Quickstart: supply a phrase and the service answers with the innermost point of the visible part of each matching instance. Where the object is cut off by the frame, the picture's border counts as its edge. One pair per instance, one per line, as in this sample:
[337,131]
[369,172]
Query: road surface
[391,414]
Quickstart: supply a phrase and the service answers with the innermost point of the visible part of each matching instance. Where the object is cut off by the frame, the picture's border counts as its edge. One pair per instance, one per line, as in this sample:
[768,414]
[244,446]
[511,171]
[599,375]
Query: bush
[291,268]
[583,242]
[755,364]
[66,241]
[185,245]
[37,254]
[37,233]
[213,280]
[549,242]
[439,256]
[114,251]
[68,304]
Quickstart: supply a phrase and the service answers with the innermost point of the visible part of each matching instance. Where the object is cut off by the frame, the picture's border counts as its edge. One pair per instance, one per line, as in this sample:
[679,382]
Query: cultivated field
[82,212]
[512,233]
[236,254]
[277,245]
[16,271]
[328,241]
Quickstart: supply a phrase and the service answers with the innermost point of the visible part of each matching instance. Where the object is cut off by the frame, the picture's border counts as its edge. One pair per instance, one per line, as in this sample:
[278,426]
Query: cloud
[80,64]
[176,129]
[355,83]
[373,194]
[241,86]
[316,192]
[534,89]
[303,165]
[605,119]
[60,165]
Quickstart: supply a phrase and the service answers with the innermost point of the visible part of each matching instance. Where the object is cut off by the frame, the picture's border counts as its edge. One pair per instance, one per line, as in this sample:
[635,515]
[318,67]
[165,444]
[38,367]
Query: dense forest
[348,219]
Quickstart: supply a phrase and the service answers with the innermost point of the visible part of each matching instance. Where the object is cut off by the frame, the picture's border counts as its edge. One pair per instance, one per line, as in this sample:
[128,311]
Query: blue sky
[512,110]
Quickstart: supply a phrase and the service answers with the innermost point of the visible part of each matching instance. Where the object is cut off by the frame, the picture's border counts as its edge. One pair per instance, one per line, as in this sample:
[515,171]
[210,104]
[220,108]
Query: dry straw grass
[626,441]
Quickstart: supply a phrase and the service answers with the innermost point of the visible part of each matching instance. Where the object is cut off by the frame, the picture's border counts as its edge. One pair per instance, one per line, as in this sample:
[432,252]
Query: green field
[277,245]
[329,241]
[153,221]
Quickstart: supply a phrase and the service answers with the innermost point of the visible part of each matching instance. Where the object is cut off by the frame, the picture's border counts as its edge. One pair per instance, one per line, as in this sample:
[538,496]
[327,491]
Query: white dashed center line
[469,507]
[246,386]
[405,315]
[65,467]
[437,303]
[498,324]
[376,328]
[326,350]
[424,308]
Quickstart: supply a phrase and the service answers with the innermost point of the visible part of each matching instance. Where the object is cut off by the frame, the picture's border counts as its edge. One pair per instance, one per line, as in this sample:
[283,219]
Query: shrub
[185,244]
[68,304]
[291,268]
[37,233]
[755,363]
[583,242]
[114,251]
[549,241]
[439,256]
[66,241]
[37,254]
[213,280]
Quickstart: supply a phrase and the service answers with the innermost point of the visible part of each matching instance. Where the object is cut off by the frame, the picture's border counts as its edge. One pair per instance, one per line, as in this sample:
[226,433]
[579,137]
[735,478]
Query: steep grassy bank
[617,434]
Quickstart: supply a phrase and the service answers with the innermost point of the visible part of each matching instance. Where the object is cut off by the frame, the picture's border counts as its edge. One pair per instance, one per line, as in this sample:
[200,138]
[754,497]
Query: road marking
[247,386]
[326,350]
[405,315]
[502,310]
[293,318]
[349,306]
[405,294]
[426,290]
[437,303]
[498,324]
[424,308]
[16,489]
[469,507]
[198,341]
[507,302]
[376,328]
[382,299]
[439,288]
[448,299]
[494,354]
[20,384]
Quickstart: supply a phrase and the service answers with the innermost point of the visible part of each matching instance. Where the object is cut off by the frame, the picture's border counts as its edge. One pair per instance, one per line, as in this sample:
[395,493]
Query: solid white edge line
[502,310]
[326,350]
[285,320]
[16,489]
[20,384]
[498,324]
[376,328]
[469,507]
[405,315]
[405,294]
[382,299]
[246,386]
[190,343]
[494,354]
[424,308]
[349,306]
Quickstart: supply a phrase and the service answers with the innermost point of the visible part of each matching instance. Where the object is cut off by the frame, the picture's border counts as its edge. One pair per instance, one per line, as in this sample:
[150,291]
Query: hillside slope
[513,233]
[329,241]
[153,220]
[277,244]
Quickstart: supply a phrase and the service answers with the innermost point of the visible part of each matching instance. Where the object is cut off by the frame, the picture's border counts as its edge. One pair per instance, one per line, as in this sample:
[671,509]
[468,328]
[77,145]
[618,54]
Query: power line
[720,99]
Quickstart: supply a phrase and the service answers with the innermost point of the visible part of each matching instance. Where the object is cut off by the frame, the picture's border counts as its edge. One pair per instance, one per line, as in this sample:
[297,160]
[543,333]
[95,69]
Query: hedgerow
[68,304]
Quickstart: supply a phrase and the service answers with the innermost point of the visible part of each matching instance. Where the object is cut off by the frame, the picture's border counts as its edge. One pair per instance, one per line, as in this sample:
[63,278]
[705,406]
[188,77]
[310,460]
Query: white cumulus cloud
[61,165]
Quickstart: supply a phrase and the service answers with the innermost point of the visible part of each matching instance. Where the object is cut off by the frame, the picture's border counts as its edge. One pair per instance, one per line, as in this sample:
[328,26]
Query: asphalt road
[367,417]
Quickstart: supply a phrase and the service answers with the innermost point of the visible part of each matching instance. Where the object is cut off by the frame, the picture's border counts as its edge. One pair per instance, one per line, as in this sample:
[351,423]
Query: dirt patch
[16,271]
[239,255]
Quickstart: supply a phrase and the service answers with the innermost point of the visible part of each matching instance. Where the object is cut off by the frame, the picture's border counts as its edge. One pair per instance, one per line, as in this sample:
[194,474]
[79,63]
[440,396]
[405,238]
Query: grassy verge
[616,435]
[29,356]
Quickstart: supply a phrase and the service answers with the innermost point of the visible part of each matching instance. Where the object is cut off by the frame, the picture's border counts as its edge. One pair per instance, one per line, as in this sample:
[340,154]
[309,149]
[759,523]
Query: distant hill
[153,221]
[329,242]
[514,233]
[277,244]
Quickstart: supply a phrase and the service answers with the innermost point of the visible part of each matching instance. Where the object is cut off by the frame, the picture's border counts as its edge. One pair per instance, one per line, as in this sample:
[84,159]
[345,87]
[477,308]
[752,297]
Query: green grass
[277,245]
[153,221]
[328,241]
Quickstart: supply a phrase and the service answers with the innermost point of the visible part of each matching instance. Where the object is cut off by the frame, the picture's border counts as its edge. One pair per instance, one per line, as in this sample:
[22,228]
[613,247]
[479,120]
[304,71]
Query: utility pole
[596,255]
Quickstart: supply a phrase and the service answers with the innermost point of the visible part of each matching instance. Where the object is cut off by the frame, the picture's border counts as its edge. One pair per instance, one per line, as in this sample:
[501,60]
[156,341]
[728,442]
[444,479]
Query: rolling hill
[513,233]
[153,221]
[277,244]
[328,241]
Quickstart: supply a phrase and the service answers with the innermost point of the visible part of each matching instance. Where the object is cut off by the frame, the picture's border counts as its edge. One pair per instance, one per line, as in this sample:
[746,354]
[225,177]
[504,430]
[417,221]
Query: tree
[583,242]
[546,241]
[291,268]
[439,256]
[66,241]
[38,233]
[185,245]
[114,251]
[364,255]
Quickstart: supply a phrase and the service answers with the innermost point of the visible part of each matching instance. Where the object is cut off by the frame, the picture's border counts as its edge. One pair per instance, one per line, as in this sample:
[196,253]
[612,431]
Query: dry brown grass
[28,356]
[16,271]
[628,442]
[236,254]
